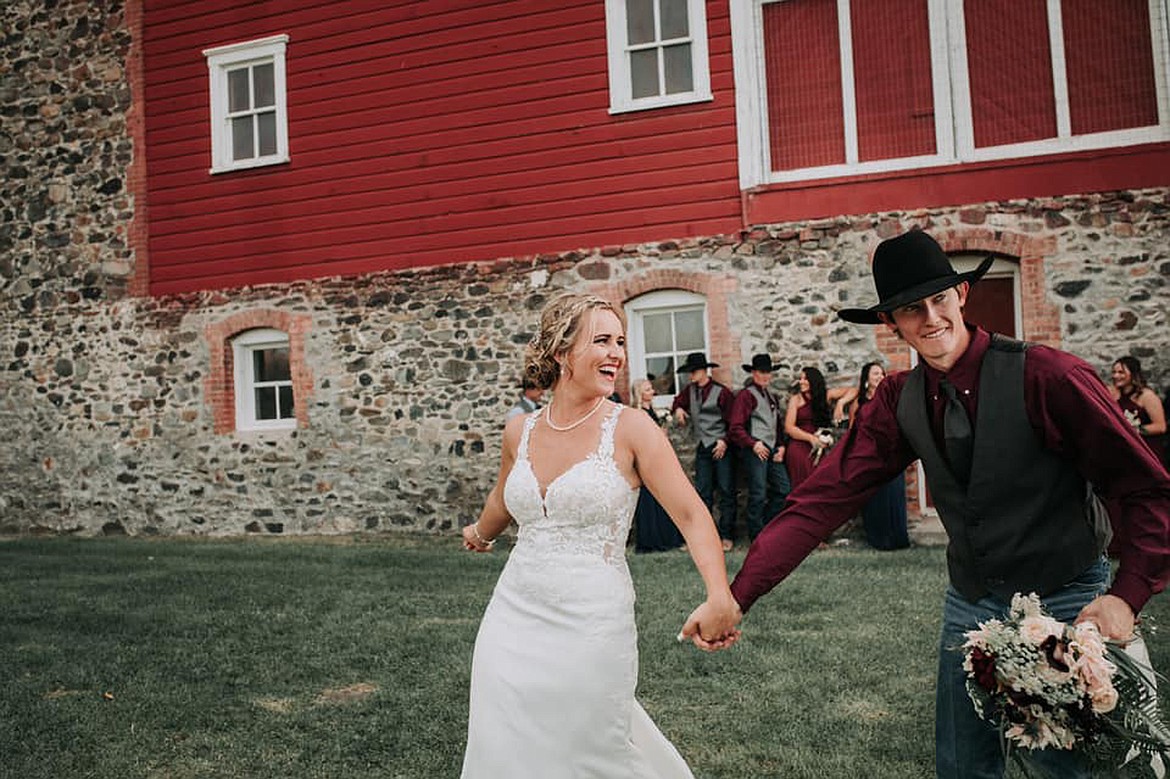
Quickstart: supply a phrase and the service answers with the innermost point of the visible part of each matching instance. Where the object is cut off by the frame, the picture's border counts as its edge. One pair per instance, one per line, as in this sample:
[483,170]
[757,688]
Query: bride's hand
[472,541]
[712,625]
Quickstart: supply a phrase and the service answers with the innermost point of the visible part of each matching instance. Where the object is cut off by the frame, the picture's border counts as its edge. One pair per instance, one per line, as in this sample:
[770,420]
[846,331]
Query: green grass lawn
[175,659]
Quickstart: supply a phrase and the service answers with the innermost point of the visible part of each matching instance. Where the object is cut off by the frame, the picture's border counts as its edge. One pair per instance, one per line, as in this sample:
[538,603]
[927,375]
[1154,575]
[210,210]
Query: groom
[1014,439]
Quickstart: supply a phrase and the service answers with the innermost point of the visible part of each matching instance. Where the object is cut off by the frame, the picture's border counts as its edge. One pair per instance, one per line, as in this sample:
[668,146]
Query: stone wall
[107,402]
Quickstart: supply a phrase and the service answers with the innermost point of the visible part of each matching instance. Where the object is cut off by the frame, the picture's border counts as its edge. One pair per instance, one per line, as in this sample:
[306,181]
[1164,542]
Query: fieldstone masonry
[108,402]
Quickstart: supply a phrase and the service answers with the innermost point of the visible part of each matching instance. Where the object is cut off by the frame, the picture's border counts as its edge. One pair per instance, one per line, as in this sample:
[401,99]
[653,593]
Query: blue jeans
[768,486]
[966,746]
[711,473]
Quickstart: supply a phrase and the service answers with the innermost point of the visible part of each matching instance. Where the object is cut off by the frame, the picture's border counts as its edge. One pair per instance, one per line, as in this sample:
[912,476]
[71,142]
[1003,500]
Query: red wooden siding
[423,133]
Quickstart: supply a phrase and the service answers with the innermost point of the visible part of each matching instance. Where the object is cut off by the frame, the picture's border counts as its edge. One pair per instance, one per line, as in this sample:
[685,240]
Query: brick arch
[219,385]
[715,288]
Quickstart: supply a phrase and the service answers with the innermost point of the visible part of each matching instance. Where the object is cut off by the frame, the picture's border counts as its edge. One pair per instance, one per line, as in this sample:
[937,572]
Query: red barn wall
[420,134]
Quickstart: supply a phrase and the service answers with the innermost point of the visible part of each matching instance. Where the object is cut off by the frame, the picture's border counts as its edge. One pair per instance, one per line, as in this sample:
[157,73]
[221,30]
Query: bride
[556,659]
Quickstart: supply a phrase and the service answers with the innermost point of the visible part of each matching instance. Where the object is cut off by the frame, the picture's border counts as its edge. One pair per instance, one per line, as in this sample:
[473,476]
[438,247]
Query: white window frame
[221,60]
[954,128]
[621,87]
[659,302]
[243,347]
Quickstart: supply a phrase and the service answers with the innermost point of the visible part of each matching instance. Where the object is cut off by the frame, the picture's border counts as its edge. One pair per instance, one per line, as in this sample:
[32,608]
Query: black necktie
[957,433]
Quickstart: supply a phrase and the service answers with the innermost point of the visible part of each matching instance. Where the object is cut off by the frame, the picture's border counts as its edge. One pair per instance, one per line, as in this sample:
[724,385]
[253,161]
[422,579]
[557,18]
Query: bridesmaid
[1140,403]
[809,410]
[1144,409]
[884,516]
[654,531]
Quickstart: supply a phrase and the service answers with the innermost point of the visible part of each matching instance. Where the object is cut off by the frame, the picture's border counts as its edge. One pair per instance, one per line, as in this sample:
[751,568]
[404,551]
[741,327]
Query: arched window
[664,327]
[263,381]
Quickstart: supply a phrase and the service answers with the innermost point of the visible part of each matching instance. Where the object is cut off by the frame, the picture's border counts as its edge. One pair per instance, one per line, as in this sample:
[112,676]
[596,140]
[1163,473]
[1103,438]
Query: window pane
[644,72]
[892,79]
[242,138]
[660,372]
[264,85]
[1110,65]
[674,19]
[238,90]
[688,330]
[802,63]
[266,124]
[270,365]
[640,21]
[265,402]
[656,333]
[677,60]
[286,402]
[1007,43]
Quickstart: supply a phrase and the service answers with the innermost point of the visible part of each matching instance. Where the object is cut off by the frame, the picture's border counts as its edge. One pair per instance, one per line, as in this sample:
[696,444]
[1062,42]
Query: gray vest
[1027,521]
[762,422]
[707,421]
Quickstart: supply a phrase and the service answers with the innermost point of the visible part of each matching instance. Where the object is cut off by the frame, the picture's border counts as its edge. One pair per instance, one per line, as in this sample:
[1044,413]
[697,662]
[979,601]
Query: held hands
[778,455]
[1112,616]
[712,625]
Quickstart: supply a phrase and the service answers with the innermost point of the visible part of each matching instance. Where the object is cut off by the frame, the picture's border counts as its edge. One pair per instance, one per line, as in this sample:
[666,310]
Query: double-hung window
[664,327]
[843,87]
[249,110]
[263,381]
[657,53]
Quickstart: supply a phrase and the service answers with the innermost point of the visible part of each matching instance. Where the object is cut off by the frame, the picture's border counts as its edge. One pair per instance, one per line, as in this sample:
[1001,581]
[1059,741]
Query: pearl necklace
[548,417]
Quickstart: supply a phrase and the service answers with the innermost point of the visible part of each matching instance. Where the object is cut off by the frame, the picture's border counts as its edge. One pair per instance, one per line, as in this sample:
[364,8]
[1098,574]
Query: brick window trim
[219,386]
[716,289]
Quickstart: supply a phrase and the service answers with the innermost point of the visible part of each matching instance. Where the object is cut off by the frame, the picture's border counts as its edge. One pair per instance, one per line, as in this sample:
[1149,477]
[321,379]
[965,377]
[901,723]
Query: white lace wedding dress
[556,659]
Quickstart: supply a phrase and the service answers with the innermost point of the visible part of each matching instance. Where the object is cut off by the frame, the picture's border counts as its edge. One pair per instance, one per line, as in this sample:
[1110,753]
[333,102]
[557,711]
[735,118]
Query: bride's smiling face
[597,355]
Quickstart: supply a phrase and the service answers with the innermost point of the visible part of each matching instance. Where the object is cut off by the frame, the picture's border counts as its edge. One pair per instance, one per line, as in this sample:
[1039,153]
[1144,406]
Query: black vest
[1027,521]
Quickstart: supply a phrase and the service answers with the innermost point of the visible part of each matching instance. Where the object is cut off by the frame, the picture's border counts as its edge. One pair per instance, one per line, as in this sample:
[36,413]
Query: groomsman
[1016,440]
[529,400]
[707,404]
[756,425]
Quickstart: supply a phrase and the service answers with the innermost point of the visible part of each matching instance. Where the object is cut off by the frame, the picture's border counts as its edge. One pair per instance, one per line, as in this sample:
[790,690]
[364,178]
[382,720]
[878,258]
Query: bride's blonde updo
[560,323]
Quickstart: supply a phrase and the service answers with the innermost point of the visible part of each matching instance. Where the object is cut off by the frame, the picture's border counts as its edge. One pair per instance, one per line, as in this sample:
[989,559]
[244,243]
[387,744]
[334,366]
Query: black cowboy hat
[907,268]
[696,361]
[760,362]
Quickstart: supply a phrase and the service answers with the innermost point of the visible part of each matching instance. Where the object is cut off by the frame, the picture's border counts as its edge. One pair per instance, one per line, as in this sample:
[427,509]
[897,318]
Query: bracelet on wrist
[485,541]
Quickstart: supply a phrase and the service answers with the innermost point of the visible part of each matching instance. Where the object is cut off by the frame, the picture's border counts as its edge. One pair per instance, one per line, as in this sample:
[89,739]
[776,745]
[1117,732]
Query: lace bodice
[586,511]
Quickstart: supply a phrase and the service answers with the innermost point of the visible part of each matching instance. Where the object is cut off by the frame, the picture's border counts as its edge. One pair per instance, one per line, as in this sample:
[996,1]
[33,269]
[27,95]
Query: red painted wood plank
[1105,170]
[423,258]
[464,161]
[437,225]
[594,186]
[338,260]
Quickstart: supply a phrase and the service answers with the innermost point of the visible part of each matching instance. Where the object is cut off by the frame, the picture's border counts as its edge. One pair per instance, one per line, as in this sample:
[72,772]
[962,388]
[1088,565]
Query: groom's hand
[1112,616]
[712,625]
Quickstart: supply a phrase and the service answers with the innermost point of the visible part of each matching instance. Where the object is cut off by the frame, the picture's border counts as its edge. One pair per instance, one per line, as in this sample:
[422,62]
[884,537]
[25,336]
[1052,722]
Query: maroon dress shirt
[1070,411]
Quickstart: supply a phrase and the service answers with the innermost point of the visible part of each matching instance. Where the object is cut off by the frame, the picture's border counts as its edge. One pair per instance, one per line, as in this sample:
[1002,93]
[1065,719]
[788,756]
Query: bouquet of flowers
[1135,420]
[1048,684]
[825,440]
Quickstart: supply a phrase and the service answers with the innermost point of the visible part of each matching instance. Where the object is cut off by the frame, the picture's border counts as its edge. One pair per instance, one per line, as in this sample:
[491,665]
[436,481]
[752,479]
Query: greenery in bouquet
[1046,684]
